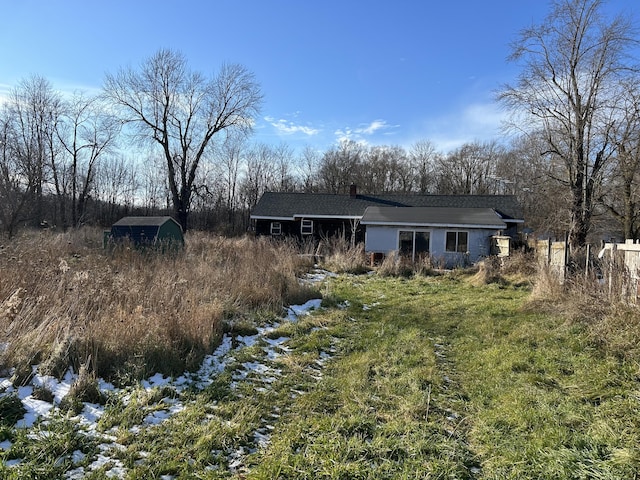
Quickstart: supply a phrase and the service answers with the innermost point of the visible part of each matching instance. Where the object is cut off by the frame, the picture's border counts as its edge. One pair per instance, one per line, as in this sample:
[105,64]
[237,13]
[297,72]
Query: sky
[378,72]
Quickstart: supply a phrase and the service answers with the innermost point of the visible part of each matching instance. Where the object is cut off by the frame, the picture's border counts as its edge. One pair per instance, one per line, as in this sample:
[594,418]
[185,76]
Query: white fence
[623,261]
[553,254]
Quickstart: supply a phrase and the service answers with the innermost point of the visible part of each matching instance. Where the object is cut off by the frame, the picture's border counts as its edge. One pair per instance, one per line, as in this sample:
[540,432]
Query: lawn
[438,378]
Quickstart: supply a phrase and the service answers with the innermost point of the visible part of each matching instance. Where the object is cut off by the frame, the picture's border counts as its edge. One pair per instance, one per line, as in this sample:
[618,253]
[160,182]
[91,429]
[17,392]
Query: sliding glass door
[413,243]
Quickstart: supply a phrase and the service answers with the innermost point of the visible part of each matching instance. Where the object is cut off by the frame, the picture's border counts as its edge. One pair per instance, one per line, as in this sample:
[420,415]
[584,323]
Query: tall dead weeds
[64,300]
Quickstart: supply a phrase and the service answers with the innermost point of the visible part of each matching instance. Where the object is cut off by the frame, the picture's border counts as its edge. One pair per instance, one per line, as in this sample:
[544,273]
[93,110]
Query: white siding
[382,239]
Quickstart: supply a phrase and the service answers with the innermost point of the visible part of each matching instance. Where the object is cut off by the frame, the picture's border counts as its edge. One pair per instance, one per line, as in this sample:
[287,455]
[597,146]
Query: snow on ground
[212,365]
[296,311]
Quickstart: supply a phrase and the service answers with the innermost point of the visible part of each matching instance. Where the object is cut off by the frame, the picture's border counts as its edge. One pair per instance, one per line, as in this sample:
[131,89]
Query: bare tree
[34,109]
[307,168]
[259,174]
[117,182]
[230,154]
[423,157]
[468,170]
[622,193]
[380,169]
[532,179]
[571,63]
[16,186]
[180,111]
[283,157]
[86,131]
[340,167]
[153,189]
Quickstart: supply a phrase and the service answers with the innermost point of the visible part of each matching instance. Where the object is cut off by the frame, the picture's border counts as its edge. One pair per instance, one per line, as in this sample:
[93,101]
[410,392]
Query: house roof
[142,221]
[288,206]
[433,217]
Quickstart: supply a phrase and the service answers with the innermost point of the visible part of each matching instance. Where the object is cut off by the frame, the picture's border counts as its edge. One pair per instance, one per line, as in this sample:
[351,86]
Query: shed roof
[433,217]
[142,221]
[288,206]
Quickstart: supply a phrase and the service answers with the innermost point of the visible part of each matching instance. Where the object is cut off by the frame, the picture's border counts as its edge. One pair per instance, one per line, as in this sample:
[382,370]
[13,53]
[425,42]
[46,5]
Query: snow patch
[296,311]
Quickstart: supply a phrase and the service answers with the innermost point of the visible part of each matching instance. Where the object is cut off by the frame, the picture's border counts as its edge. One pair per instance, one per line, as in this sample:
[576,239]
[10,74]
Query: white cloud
[360,133]
[483,116]
[475,122]
[287,127]
[372,128]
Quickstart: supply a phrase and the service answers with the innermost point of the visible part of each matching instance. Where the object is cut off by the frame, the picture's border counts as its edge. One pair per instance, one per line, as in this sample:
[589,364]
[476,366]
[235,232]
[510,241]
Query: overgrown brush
[395,265]
[63,300]
[601,301]
[342,256]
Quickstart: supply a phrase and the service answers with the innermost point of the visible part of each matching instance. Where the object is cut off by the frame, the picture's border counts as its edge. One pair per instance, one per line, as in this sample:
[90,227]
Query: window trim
[457,241]
[306,227]
[276,228]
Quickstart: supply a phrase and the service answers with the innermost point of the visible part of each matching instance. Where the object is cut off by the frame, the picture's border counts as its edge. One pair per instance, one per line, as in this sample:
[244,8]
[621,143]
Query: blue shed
[148,231]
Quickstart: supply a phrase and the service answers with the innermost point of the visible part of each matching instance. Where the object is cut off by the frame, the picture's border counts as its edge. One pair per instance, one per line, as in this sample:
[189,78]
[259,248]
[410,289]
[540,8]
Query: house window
[276,228]
[457,242]
[306,227]
[413,243]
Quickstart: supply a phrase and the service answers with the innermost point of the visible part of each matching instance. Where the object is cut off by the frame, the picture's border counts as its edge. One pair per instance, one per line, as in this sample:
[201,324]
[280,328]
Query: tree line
[572,157]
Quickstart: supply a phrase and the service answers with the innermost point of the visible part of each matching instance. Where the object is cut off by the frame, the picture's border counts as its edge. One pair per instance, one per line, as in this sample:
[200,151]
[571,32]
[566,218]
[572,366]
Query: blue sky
[380,72]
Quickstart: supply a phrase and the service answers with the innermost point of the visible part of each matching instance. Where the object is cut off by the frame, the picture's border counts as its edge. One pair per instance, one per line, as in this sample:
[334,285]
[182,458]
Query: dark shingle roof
[279,205]
[433,217]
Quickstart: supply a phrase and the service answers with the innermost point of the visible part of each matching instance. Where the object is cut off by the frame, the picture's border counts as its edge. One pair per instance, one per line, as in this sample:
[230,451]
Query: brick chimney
[353,190]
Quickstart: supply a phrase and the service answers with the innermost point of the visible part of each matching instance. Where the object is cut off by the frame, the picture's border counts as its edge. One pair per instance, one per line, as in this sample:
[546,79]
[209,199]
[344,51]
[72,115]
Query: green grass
[398,378]
[382,411]
[437,378]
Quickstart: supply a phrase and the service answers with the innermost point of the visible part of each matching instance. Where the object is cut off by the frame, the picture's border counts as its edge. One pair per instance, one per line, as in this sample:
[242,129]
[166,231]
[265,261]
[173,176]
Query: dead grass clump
[60,357]
[64,299]
[519,267]
[395,265]
[586,299]
[548,285]
[84,389]
[488,271]
[612,323]
[427,266]
[342,256]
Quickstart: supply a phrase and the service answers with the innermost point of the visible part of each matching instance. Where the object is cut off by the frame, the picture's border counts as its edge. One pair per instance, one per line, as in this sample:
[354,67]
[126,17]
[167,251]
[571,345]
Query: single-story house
[147,231]
[453,228]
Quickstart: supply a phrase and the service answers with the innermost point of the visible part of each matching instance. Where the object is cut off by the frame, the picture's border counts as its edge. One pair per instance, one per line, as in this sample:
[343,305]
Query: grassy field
[438,378]
[394,378]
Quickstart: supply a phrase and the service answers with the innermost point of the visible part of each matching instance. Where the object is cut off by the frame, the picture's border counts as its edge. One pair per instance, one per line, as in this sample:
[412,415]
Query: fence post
[566,256]
[614,247]
[586,263]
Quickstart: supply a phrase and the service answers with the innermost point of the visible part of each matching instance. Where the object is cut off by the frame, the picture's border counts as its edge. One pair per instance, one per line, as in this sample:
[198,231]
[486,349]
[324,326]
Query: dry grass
[64,300]
[604,306]
[395,265]
[341,256]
